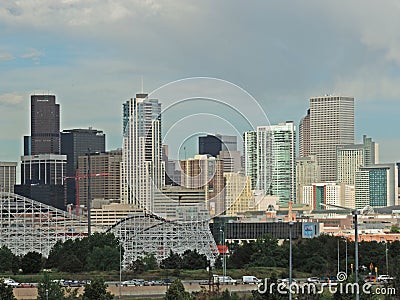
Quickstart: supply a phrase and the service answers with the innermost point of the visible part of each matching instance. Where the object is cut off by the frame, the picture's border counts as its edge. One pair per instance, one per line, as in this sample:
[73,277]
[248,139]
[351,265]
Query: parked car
[384,278]
[11,282]
[167,281]
[286,280]
[370,278]
[313,280]
[226,280]
[250,280]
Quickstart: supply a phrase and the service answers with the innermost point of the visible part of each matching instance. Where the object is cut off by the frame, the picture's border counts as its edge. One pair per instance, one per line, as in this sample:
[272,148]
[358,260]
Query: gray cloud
[282,52]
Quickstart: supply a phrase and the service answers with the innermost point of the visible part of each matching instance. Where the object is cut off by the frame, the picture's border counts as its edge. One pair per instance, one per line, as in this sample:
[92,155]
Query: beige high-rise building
[351,157]
[105,181]
[304,136]
[331,125]
[8,175]
[238,193]
[307,173]
[205,172]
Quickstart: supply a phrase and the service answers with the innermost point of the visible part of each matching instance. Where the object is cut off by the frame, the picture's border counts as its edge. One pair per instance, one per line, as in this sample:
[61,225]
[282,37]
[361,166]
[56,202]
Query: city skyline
[91,58]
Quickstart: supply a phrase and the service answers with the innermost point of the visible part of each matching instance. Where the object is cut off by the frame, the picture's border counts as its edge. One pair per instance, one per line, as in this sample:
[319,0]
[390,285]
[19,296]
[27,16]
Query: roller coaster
[28,225]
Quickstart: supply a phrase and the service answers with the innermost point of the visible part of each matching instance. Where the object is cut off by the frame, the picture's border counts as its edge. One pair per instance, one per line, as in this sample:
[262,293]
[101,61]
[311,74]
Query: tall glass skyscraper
[142,166]
[276,160]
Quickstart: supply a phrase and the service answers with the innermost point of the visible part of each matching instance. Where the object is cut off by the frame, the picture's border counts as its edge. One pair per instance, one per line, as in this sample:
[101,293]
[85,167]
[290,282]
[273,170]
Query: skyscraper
[42,166]
[331,124]
[107,184]
[45,125]
[250,156]
[307,173]
[276,160]
[142,166]
[8,174]
[377,186]
[351,157]
[304,136]
[75,143]
[205,172]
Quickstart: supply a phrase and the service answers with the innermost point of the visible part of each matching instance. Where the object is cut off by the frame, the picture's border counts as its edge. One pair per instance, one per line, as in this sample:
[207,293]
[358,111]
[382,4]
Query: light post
[89,194]
[223,254]
[355,216]
[47,294]
[387,261]
[338,256]
[346,253]
[290,259]
[120,262]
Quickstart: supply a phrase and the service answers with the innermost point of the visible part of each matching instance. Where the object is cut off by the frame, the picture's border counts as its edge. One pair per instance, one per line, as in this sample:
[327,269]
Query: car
[167,281]
[133,282]
[11,282]
[26,285]
[286,280]
[313,280]
[384,278]
[250,280]
[370,278]
[226,280]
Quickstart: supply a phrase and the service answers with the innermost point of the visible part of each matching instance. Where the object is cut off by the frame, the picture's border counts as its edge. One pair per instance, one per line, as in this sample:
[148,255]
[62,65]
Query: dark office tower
[75,143]
[45,125]
[213,144]
[209,144]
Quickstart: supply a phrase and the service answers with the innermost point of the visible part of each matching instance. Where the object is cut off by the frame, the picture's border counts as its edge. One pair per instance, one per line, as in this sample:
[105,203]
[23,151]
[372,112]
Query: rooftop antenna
[142,84]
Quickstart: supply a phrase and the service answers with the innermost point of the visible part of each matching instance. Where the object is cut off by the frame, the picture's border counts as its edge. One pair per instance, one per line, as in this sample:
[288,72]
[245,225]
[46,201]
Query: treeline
[317,256]
[99,252]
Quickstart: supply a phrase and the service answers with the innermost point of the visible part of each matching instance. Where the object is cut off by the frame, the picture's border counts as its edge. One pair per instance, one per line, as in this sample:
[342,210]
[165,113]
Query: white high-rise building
[142,167]
[276,160]
[331,124]
[250,156]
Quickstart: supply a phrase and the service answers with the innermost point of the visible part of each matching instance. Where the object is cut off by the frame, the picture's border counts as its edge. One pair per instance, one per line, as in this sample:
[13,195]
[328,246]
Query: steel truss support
[144,233]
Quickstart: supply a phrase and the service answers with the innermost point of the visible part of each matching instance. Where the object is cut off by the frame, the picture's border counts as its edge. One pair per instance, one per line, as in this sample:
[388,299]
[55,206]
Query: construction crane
[77,178]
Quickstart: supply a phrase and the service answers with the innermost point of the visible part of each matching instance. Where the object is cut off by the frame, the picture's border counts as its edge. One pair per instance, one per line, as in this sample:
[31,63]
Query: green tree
[173,261]
[177,291]
[96,290]
[31,263]
[48,289]
[80,254]
[103,259]
[137,266]
[192,260]
[149,262]
[6,259]
[6,292]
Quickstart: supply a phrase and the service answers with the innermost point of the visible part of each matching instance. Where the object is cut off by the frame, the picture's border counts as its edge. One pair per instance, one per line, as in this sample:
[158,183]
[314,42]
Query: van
[250,280]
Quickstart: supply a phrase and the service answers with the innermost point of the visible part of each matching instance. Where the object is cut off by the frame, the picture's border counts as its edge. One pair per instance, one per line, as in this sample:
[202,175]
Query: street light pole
[355,213]
[223,254]
[290,259]
[346,254]
[120,262]
[89,194]
[338,256]
[387,261]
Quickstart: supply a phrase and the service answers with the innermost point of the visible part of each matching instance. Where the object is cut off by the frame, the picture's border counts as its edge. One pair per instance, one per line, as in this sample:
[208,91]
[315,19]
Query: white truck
[250,280]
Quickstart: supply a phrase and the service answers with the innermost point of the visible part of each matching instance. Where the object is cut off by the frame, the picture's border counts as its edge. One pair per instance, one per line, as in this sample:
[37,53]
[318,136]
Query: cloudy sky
[94,54]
